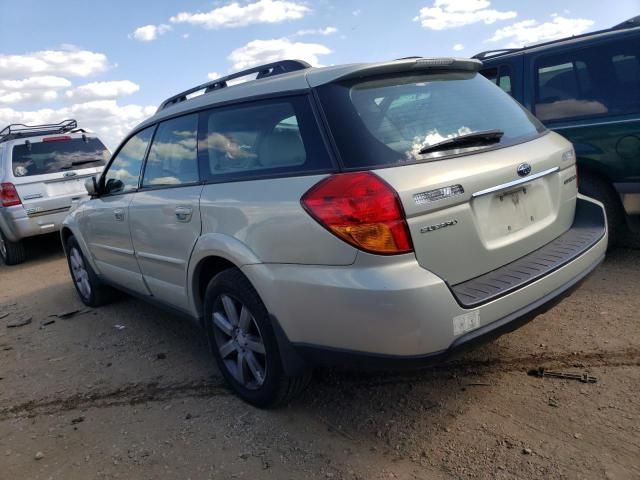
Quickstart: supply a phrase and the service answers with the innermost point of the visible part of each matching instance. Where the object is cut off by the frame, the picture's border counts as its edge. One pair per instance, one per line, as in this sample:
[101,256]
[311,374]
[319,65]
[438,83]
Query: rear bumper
[387,312]
[16,224]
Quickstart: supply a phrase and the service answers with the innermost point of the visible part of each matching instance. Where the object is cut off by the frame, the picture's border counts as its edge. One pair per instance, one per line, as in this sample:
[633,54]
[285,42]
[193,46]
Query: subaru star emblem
[524,169]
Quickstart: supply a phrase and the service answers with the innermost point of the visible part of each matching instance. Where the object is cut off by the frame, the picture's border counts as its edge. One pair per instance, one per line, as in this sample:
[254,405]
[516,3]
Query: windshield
[39,158]
[389,121]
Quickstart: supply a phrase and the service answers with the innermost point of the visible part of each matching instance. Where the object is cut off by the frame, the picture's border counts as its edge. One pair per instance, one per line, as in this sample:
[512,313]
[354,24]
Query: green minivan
[587,88]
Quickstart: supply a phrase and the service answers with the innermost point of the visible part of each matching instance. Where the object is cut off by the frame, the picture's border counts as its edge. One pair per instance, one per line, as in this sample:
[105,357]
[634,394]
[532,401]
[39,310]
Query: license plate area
[68,187]
[502,215]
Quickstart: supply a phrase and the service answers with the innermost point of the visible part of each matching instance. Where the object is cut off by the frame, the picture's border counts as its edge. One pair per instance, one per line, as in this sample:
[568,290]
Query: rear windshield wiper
[80,162]
[473,139]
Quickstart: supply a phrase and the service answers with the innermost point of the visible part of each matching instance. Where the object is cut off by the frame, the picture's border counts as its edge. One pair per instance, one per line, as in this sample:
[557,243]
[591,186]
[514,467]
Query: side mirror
[92,186]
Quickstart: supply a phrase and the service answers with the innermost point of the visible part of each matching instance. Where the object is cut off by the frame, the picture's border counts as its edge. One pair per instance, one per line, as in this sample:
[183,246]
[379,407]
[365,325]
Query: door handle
[183,214]
[119,214]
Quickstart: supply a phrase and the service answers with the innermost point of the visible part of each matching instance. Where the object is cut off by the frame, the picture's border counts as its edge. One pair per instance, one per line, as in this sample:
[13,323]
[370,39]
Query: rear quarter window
[40,158]
[265,138]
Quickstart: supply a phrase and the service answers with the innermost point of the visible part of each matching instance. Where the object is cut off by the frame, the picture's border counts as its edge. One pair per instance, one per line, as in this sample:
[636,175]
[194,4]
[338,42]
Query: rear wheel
[243,344]
[12,253]
[594,187]
[92,292]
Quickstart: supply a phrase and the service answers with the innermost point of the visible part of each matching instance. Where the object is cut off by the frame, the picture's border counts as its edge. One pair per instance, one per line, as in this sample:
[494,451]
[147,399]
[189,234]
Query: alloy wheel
[239,342]
[79,272]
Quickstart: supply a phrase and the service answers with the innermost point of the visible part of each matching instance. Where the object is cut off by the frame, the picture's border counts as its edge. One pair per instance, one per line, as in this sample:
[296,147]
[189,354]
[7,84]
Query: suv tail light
[361,209]
[9,195]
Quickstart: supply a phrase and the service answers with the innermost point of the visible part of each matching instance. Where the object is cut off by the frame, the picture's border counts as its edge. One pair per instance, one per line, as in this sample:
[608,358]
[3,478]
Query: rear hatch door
[49,172]
[471,207]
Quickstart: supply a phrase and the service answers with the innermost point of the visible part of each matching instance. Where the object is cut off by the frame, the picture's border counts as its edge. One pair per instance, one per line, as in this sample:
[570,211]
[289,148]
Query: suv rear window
[40,158]
[386,121]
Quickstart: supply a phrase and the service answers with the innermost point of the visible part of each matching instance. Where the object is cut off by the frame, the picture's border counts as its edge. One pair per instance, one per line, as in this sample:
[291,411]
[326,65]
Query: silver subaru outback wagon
[377,215]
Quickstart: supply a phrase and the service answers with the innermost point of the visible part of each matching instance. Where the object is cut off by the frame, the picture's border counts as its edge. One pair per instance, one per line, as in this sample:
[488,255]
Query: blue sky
[110,63]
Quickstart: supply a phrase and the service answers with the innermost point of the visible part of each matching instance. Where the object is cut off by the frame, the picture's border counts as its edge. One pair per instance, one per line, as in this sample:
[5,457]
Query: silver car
[42,173]
[370,215]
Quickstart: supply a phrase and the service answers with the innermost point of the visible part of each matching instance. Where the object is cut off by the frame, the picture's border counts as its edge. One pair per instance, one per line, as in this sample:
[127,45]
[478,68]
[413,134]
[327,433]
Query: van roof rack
[491,53]
[263,71]
[20,130]
[630,23]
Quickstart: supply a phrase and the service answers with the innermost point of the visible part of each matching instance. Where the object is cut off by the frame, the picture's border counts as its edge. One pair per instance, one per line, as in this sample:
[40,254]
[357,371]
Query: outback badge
[438,226]
[524,169]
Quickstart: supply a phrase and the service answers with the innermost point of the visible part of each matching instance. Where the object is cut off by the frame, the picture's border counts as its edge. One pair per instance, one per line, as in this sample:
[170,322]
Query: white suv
[373,214]
[42,173]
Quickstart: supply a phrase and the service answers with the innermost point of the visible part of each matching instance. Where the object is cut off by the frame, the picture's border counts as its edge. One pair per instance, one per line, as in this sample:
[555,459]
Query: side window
[504,80]
[269,137]
[501,77]
[124,172]
[173,157]
[595,81]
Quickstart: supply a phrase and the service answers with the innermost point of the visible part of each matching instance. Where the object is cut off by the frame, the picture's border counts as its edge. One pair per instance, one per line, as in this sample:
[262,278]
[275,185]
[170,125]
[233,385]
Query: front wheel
[91,291]
[243,344]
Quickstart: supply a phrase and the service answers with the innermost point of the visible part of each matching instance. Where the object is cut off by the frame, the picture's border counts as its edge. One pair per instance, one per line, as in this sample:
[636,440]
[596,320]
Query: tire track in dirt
[131,394]
[137,393]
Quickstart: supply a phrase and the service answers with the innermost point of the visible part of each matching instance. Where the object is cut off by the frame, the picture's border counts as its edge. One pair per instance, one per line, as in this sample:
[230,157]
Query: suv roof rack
[631,23]
[20,130]
[263,71]
[491,53]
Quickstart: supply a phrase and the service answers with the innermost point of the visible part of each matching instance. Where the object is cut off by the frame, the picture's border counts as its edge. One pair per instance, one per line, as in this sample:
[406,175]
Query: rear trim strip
[514,183]
[587,229]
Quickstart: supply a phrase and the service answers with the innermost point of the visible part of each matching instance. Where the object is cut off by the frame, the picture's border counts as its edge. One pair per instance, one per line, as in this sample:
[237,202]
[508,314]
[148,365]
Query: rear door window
[60,154]
[590,82]
[173,156]
[265,138]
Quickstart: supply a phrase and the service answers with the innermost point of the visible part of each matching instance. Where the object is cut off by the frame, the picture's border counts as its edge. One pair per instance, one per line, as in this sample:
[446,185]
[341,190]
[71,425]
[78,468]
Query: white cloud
[318,31]
[237,15]
[31,89]
[257,52]
[458,47]
[108,119]
[458,13]
[529,32]
[102,90]
[213,75]
[148,33]
[69,61]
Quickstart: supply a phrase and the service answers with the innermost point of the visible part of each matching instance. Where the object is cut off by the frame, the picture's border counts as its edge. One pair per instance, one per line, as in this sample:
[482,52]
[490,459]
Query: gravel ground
[83,398]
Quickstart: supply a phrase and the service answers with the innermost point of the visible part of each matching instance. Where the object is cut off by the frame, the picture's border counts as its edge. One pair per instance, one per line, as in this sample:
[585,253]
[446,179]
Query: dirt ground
[128,391]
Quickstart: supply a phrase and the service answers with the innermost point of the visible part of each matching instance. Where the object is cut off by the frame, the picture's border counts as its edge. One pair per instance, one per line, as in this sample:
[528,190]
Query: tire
[91,290]
[12,253]
[238,329]
[594,187]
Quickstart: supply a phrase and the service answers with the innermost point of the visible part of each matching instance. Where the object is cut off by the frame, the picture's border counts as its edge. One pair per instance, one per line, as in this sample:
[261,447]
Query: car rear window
[40,158]
[387,121]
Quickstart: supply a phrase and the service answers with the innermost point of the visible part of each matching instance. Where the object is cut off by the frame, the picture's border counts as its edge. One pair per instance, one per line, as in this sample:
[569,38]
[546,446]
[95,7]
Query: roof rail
[491,53]
[20,130]
[263,71]
[630,23]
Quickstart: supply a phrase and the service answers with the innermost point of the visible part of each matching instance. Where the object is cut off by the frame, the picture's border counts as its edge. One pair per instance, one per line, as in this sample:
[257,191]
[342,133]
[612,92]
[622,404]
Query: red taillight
[361,209]
[59,138]
[9,195]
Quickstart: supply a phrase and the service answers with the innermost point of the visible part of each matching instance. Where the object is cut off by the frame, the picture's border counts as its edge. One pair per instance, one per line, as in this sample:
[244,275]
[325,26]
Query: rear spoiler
[413,65]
